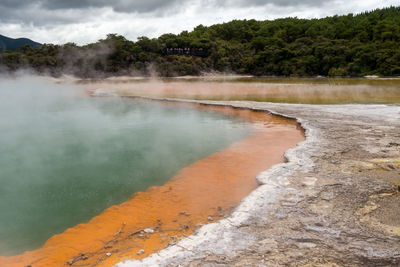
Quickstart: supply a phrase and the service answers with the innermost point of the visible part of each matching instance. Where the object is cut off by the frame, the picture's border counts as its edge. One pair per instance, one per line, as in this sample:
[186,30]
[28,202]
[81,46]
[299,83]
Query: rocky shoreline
[334,203]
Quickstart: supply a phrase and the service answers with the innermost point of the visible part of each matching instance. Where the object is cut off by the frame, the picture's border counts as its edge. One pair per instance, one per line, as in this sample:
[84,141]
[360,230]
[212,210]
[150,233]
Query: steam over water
[65,157]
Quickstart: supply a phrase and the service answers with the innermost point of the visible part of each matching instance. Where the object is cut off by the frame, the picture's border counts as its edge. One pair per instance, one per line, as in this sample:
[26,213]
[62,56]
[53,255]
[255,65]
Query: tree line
[351,45]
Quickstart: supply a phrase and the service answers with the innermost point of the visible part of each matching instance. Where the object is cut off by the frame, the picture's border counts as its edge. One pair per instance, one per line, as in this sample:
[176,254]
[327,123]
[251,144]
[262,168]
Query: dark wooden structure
[198,52]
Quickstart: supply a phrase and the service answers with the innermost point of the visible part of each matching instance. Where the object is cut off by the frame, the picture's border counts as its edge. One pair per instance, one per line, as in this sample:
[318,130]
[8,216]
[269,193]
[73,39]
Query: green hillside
[7,43]
[349,45]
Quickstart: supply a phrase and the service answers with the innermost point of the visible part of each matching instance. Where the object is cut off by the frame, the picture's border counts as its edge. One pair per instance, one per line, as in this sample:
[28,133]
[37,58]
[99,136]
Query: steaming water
[65,158]
[289,90]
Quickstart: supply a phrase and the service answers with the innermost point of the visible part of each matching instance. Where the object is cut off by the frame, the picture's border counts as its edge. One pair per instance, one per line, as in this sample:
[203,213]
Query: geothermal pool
[94,181]
[65,157]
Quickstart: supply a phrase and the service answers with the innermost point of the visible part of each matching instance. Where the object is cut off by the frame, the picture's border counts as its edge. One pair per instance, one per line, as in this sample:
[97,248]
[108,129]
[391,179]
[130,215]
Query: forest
[351,45]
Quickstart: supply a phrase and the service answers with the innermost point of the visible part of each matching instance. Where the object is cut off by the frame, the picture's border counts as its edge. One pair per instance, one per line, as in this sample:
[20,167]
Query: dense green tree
[350,45]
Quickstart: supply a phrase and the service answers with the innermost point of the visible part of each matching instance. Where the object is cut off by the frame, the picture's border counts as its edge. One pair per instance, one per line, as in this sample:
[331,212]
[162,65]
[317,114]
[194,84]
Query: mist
[231,87]
[65,156]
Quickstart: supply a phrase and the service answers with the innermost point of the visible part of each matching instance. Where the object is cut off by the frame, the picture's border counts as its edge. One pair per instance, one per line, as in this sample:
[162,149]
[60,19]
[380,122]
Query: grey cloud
[291,3]
[146,5]
[52,12]
[14,4]
[41,12]
[259,3]
[118,5]
[37,17]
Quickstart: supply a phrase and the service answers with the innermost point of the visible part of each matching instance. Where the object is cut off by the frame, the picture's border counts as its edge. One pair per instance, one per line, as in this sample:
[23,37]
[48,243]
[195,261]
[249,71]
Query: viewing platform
[198,52]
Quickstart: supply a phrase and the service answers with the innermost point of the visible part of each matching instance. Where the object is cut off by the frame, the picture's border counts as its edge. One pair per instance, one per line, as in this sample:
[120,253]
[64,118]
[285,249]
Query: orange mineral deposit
[203,192]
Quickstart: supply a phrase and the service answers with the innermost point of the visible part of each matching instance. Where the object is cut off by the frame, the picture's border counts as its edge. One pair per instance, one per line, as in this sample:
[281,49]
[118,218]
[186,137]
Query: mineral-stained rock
[334,203]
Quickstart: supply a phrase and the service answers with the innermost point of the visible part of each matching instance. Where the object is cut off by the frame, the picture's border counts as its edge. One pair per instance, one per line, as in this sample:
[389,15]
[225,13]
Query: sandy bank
[334,203]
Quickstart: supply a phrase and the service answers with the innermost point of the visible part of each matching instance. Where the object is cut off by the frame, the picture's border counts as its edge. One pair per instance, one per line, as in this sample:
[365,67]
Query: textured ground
[336,202]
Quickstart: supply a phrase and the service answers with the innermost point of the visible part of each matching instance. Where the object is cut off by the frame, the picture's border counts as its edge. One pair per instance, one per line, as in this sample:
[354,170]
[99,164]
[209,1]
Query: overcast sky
[85,21]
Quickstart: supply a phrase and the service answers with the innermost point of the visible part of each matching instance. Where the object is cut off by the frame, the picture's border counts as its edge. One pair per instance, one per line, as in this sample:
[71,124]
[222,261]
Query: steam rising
[66,157]
[291,90]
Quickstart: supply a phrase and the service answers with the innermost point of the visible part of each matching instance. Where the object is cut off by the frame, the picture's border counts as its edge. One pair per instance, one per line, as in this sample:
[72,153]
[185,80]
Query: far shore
[235,88]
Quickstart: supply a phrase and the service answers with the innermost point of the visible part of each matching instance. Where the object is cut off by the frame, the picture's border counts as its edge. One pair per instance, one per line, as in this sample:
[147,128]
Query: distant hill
[7,43]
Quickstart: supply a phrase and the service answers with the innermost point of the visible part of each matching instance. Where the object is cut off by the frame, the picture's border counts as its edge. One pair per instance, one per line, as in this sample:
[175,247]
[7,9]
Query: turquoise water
[65,158]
